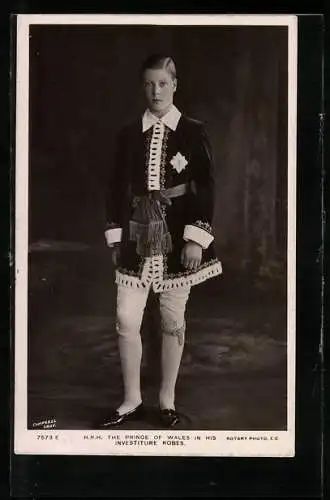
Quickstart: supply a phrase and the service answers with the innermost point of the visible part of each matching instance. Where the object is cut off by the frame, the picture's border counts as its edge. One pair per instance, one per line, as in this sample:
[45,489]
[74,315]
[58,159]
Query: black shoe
[169,418]
[116,419]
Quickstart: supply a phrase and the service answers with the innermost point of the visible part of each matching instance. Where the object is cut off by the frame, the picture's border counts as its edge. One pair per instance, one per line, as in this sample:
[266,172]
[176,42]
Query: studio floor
[233,371]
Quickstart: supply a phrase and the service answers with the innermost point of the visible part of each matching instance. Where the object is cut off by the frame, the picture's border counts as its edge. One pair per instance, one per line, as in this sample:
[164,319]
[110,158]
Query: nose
[155,90]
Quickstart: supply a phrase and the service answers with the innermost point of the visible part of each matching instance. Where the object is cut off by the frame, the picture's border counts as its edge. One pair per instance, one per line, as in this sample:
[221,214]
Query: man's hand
[115,255]
[191,255]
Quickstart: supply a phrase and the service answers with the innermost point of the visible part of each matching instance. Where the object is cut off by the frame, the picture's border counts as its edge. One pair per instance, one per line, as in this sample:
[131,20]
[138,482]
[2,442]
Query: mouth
[156,101]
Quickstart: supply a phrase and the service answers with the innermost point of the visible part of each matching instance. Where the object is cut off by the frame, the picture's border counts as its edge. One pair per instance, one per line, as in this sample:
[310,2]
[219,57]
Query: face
[159,88]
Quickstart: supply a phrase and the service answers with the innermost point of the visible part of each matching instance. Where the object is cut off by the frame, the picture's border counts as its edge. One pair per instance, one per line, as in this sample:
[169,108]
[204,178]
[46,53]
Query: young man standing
[159,215]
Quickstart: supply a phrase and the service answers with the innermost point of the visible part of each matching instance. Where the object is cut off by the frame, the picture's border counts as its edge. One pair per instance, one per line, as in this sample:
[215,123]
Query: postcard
[155,235]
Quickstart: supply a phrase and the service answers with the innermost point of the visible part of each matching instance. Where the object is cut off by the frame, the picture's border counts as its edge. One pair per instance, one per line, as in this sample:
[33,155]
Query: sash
[148,227]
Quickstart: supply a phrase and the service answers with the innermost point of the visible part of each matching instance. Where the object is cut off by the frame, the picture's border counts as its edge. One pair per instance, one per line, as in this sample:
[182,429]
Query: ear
[175,84]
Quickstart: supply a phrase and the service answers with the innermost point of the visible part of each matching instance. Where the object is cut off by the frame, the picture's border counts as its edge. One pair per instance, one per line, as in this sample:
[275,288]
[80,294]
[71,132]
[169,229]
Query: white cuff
[113,236]
[198,235]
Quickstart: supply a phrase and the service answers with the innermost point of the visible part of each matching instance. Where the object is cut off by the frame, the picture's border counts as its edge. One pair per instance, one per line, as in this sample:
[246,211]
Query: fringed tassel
[151,232]
[152,239]
[167,243]
[149,229]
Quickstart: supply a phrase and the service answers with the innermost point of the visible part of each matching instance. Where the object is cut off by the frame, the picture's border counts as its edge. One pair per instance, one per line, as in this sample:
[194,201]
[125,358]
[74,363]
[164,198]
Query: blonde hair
[159,61]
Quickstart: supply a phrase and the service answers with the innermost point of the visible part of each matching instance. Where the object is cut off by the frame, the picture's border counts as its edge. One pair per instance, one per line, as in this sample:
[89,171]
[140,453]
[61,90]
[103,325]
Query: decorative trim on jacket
[198,235]
[181,280]
[113,233]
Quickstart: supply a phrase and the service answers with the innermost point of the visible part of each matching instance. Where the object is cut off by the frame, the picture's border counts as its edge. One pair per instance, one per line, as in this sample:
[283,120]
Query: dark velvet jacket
[185,158]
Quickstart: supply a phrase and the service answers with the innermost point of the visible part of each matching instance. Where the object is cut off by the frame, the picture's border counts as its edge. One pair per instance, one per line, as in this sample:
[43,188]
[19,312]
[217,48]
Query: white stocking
[130,308]
[130,356]
[171,358]
[172,309]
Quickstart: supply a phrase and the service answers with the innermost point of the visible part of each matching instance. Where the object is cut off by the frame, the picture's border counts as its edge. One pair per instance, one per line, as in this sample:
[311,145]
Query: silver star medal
[179,162]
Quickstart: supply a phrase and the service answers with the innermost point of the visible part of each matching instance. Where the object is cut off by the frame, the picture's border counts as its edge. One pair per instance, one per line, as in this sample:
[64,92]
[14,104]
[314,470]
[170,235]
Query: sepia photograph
[155,235]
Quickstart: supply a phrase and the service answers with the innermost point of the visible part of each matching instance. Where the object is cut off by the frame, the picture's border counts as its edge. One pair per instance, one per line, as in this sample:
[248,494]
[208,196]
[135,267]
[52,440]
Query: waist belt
[164,196]
[175,191]
[148,227]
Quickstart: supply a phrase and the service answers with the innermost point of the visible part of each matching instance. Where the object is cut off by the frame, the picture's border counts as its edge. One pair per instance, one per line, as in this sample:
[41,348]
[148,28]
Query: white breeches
[131,304]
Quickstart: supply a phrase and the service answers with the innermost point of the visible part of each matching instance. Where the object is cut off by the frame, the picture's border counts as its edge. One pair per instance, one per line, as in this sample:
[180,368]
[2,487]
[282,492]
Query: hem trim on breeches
[176,332]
